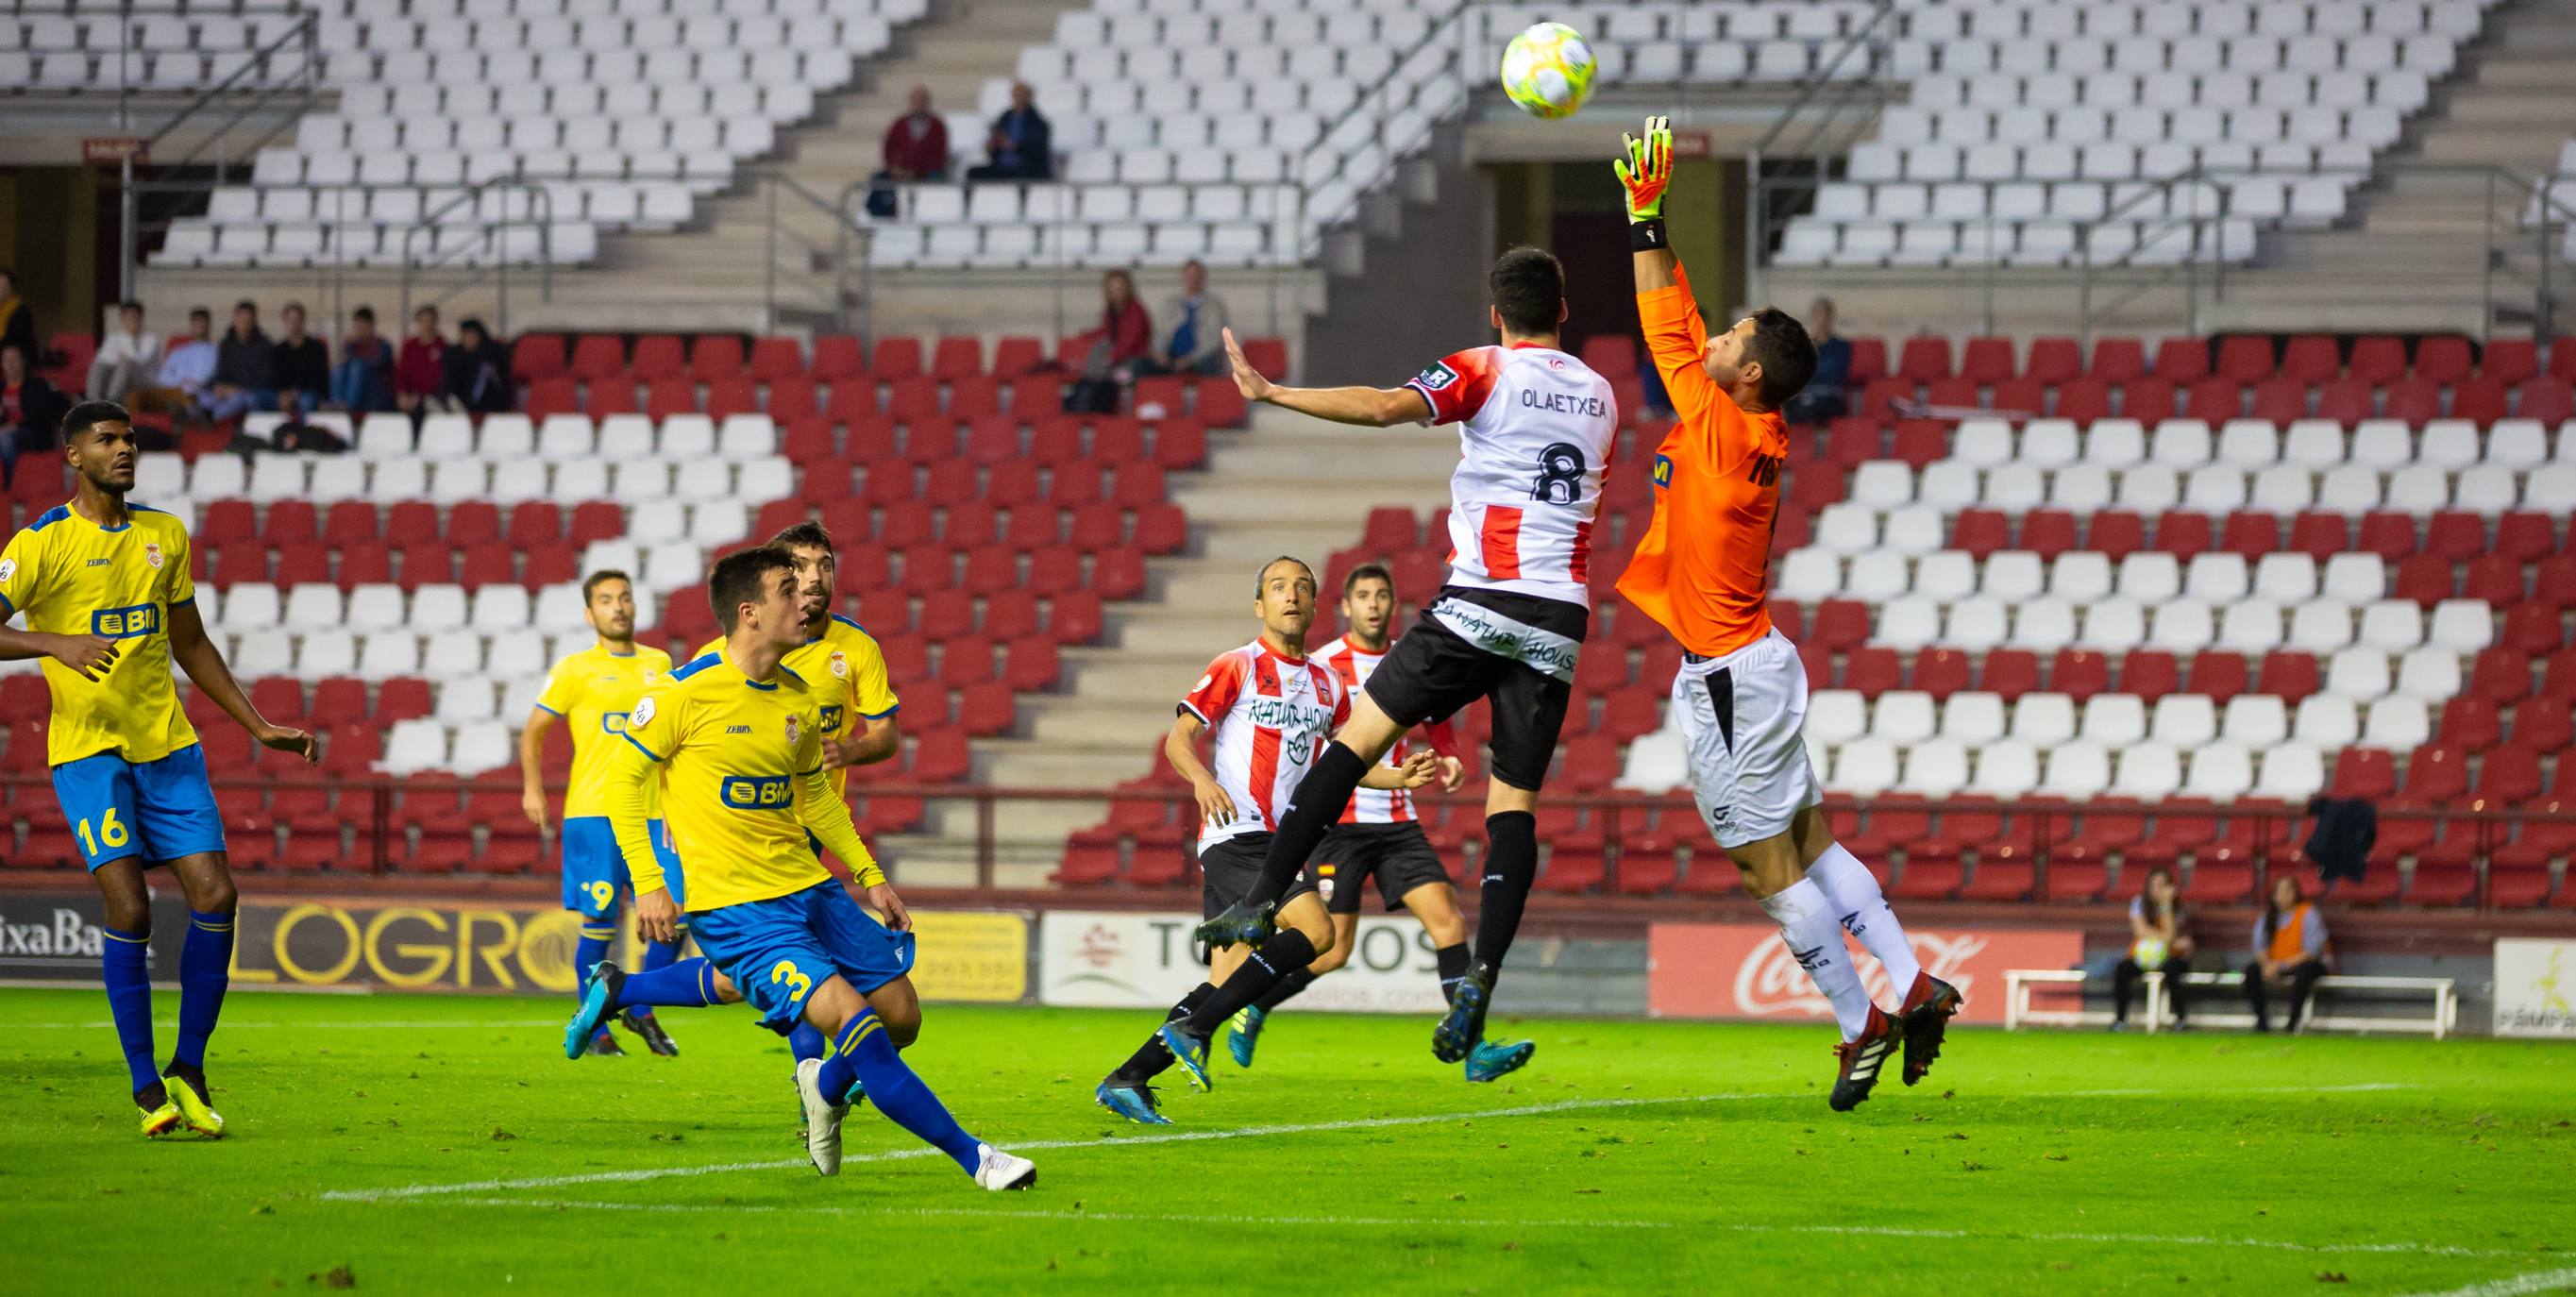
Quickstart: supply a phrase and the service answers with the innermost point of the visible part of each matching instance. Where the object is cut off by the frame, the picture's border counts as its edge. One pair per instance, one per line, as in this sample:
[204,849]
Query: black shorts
[1517,650]
[1399,856]
[1231,867]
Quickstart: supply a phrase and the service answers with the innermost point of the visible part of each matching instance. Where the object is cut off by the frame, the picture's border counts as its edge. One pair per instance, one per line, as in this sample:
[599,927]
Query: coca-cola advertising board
[1744,970]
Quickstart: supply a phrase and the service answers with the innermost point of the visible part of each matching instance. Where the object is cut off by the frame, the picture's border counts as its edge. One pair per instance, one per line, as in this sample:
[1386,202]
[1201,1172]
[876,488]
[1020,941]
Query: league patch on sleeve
[1440,377]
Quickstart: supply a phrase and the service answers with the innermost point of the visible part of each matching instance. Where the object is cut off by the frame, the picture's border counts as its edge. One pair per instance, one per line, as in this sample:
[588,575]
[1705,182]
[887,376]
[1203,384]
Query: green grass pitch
[424,1144]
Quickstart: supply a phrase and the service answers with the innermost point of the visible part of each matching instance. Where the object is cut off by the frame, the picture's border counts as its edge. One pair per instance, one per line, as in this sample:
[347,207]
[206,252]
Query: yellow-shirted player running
[842,661]
[110,606]
[736,739]
[592,692]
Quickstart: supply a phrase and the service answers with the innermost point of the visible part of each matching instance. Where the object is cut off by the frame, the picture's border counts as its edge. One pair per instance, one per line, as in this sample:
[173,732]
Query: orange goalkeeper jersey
[1703,569]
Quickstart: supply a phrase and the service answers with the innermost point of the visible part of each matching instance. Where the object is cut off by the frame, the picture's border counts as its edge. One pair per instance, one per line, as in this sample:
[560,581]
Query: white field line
[1195,1136]
[2517,1286]
[1420,1223]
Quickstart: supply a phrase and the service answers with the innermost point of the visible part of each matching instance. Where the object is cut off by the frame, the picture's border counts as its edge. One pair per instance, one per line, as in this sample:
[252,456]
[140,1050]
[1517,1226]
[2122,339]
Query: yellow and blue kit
[593,691]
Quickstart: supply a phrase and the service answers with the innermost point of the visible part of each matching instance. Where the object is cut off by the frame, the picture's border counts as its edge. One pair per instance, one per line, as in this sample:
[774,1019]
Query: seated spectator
[17,319]
[2289,953]
[420,373]
[244,361]
[299,367]
[362,383]
[478,372]
[2156,924]
[1022,145]
[1827,395]
[30,409]
[1196,344]
[126,359]
[1125,339]
[187,375]
[916,145]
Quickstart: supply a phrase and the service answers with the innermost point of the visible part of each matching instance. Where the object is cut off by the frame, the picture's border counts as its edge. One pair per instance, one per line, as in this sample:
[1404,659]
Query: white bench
[2019,983]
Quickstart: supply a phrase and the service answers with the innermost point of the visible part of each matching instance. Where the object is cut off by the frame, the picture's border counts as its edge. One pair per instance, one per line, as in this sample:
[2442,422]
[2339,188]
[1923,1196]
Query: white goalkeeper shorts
[1741,721]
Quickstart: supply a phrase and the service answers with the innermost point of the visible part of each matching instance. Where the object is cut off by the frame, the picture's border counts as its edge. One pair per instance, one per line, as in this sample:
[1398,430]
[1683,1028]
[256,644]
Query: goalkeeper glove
[1646,170]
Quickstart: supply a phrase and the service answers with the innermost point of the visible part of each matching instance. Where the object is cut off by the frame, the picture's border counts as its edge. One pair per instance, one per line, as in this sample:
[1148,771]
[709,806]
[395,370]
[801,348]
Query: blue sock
[862,1054]
[807,1041]
[690,983]
[659,955]
[596,934]
[205,972]
[125,961]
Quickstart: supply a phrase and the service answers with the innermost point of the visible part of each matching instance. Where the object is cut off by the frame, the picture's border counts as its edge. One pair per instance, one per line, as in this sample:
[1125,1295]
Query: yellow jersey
[741,762]
[592,692]
[846,665]
[71,576]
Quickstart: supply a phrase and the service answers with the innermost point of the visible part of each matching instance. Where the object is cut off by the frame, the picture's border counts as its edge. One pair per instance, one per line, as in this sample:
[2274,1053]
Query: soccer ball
[2149,954]
[1548,69]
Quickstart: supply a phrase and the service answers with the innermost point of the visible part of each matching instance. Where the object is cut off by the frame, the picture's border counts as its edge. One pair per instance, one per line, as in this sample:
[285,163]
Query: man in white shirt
[126,357]
[186,372]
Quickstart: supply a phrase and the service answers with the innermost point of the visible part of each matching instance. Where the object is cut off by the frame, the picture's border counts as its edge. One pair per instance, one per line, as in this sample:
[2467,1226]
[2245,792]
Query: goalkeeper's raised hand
[1646,170]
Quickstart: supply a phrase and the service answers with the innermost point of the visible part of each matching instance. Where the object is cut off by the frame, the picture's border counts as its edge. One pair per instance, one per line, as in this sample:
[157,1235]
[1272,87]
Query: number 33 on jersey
[1537,431]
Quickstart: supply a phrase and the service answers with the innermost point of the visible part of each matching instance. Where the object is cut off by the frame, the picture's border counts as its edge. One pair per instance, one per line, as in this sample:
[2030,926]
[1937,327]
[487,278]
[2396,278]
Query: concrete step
[1089,719]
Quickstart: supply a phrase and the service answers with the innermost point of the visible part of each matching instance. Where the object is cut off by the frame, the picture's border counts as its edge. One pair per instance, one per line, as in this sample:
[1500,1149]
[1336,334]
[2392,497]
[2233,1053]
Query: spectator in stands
[299,367]
[187,372]
[1125,340]
[478,372]
[1196,344]
[916,145]
[17,319]
[244,362]
[2289,952]
[30,409]
[362,383]
[1022,145]
[2157,923]
[126,359]
[420,374]
[1827,394]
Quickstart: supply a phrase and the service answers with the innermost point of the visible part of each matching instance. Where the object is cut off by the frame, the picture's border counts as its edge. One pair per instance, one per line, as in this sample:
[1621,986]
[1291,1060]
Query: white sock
[1806,922]
[1853,892]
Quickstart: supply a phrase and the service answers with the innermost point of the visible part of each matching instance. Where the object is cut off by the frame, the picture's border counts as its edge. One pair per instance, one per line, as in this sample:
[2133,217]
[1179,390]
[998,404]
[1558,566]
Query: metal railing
[849,231]
[2033,831]
[1831,111]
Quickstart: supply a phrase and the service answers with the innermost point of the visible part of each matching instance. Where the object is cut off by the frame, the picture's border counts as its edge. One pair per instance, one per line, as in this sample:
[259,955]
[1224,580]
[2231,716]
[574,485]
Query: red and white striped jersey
[1352,665]
[1539,429]
[1272,716]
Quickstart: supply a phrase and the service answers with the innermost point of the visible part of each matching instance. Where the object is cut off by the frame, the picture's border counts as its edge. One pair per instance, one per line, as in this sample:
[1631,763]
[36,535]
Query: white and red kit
[1539,428]
[1352,664]
[1272,716]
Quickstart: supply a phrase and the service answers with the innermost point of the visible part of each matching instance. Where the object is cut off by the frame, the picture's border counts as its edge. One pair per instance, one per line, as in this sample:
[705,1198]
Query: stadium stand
[394,595]
[504,130]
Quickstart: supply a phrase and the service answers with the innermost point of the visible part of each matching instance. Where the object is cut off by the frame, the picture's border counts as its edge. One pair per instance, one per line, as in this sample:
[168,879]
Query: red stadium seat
[2320,535]
[2079,674]
[2010,673]
[2048,532]
[2250,534]
[716,357]
[2242,358]
[2364,772]
[1839,625]
[2436,772]
[837,356]
[2525,537]
[657,356]
[775,358]
[2545,729]
[912,400]
[2414,401]
[2310,358]
[2083,400]
[551,396]
[2115,360]
[2501,676]
[2533,628]
[2470,723]
[1074,617]
[2546,400]
[1918,442]
[598,356]
[2116,533]
[595,520]
[2184,360]
[2479,400]
[2215,400]
[229,522]
[2183,534]
[2508,776]
[2346,401]
[2494,578]
[727,397]
[2379,359]
[897,357]
[2389,535]
[1268,357]
[1930,874]
[2288,675]
[2150,674]
[1924,359]
[608,396]
[2148,399]
[2280,400]
[1987,360]
[2510,360]
[2219,675]
[1940,672]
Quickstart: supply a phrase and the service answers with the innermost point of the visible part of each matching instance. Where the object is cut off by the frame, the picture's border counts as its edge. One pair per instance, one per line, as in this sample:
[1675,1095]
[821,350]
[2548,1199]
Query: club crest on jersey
[152,554]
[641,716]
[1437,378]
[792,730]
[840,666]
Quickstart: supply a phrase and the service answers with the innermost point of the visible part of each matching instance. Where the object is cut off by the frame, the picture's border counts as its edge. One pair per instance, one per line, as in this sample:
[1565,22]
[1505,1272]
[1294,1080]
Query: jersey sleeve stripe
[878,716]
[1203,720]
[7,609]
[552,712]
[641,748]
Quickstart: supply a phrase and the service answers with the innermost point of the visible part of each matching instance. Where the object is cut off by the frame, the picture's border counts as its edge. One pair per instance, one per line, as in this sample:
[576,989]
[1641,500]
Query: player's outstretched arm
[532,757]
[1368,407]
[197,655]
[1644,174]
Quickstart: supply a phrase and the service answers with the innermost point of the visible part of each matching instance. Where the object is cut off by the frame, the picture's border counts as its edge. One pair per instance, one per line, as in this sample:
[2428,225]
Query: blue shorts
[594,870]
[778,950]
[159,810]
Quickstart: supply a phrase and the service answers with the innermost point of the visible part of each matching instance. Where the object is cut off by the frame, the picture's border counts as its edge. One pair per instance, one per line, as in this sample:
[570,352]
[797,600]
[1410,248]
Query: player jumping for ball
[1537,429]
[1380,837]
[1271,706]
[110,606]
[1702,571]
